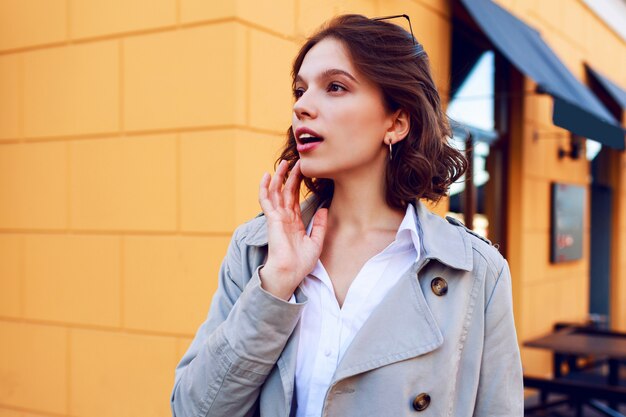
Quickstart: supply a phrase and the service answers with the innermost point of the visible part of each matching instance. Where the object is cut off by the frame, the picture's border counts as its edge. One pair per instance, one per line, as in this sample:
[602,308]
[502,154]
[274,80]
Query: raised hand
[292,254]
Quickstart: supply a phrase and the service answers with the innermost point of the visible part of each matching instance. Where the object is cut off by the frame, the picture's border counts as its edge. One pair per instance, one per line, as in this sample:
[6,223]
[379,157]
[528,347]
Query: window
[478,109]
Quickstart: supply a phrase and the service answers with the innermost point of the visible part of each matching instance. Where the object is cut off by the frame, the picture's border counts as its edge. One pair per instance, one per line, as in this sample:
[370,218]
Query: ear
[400,125]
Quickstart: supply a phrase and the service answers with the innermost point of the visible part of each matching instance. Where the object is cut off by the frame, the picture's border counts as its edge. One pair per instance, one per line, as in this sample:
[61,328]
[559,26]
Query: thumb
[319,226]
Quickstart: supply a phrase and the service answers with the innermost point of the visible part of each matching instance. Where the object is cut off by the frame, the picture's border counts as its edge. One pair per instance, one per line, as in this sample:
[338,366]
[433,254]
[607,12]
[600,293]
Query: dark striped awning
[576,108]
[617,94]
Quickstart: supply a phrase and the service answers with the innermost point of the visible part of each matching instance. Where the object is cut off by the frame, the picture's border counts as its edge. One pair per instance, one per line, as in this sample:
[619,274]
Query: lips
[307,139]
[306,135]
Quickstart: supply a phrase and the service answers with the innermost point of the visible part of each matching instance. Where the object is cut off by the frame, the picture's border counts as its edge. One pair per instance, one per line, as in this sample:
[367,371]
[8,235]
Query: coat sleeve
[234,350]
[500,388]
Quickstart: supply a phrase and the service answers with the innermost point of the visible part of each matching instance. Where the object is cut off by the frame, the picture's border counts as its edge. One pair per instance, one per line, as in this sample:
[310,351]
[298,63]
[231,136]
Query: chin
[313,169]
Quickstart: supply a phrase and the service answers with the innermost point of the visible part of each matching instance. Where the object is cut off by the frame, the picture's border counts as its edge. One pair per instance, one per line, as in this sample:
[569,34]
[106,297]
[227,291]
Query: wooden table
[567,345]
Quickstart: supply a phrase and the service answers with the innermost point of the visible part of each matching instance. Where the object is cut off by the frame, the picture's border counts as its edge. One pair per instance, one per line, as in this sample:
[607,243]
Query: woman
[362,303]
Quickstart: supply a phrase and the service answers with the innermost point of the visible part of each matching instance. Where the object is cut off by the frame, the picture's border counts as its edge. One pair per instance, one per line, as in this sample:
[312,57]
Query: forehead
[327,53]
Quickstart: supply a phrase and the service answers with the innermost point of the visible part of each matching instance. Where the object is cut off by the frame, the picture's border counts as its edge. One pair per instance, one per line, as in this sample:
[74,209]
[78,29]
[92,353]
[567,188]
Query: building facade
[133,136]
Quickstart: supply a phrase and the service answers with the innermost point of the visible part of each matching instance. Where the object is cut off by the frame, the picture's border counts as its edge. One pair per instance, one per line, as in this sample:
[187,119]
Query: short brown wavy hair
[424,164]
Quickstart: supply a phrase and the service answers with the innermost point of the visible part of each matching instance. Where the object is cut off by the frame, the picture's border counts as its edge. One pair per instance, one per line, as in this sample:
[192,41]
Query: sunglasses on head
[395,17]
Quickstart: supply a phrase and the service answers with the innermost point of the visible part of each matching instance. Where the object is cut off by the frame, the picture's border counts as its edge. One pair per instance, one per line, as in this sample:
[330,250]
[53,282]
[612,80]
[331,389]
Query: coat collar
[440,240]
[445,242]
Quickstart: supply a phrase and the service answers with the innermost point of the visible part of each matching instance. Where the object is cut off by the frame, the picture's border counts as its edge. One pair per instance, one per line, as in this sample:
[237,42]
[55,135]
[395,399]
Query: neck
[359,204]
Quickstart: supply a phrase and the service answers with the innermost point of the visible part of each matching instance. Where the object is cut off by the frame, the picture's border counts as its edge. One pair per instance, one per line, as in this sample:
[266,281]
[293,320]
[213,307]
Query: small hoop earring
[390,149]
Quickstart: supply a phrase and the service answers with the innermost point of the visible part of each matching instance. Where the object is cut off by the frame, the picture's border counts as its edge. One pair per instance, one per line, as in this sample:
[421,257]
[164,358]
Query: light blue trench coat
[452,354]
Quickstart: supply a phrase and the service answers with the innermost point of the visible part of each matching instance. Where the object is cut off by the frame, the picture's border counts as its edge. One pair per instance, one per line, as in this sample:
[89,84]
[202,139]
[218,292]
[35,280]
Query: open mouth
[307,142]
[306,138]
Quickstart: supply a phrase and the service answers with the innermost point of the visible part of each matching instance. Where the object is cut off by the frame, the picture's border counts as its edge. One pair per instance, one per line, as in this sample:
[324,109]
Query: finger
[264,201]
[276,184]
[318,231]
[290,192]
[297,191]
[296,207]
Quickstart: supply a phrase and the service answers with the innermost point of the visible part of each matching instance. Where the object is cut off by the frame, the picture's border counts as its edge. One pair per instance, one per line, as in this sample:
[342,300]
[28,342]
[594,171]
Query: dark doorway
[601,230]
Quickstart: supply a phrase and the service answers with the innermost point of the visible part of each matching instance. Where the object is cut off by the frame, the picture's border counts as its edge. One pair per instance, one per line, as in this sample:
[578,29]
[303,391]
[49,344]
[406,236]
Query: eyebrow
[329,73]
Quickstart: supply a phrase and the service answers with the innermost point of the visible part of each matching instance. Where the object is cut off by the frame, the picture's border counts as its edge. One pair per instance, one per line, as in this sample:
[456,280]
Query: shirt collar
[439,239]
[407,235]
[409,229]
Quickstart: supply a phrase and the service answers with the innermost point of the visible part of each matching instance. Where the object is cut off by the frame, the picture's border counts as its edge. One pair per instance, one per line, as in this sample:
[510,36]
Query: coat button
[439,286]
[421,402]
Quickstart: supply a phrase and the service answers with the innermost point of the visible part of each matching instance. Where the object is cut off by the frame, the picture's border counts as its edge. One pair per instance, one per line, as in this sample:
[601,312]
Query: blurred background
[133,135]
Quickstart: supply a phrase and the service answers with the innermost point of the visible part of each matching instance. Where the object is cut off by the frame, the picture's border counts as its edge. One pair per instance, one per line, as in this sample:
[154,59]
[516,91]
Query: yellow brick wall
[133,135]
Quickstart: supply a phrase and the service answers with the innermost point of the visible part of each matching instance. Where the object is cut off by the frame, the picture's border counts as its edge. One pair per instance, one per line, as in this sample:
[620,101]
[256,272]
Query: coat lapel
[402,325]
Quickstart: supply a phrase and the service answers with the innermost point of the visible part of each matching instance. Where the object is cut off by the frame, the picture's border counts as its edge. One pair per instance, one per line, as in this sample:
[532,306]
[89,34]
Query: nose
[304,107]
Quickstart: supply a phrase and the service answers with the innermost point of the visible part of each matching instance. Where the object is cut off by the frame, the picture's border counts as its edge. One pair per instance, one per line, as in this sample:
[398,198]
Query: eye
[334,87]
[297,92]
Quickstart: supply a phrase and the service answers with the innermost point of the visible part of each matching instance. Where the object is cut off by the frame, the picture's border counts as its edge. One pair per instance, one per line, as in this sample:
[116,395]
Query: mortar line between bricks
[30,410]
[141,32]
[130,233]
[93,327]
[146,132]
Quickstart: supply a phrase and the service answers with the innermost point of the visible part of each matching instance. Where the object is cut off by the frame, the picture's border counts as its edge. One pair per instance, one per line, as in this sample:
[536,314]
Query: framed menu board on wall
[568,209]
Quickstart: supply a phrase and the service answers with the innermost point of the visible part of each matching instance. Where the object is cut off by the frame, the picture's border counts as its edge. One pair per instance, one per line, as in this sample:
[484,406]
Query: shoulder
[457,222]
[247,236]
[254,231]
[482,247]
[251,233]
[488,263]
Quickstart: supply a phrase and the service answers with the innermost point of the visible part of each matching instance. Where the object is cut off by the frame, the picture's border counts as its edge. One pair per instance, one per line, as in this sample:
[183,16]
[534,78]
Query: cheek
[363,121]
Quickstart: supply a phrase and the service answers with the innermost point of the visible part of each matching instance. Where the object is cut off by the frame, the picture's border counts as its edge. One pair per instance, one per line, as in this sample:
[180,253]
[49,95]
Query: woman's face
[336,103]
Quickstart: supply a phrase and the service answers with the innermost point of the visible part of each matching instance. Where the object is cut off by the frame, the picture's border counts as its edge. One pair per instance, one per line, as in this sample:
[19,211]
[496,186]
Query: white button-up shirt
[326,330]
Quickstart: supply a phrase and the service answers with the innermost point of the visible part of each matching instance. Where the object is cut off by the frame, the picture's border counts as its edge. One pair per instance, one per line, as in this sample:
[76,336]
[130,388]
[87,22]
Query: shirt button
[421,402]
[439,286]
[327,352]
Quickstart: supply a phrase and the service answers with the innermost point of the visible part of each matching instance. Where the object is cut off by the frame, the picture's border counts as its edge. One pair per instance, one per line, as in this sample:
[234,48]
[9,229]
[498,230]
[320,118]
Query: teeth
[306,135]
